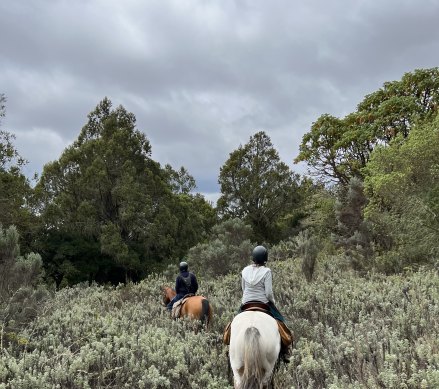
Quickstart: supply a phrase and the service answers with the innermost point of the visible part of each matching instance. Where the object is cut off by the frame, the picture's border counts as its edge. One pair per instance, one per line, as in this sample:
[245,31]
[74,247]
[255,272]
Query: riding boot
[285,352]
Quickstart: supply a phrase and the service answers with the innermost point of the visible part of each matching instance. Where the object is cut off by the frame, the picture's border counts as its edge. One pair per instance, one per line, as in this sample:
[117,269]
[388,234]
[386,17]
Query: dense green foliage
[105,211]
[227,249]
[109,212]
[402,183]
[390,142]
[15,190]
[14,186]
[337,149]
[350,332]
[257,187]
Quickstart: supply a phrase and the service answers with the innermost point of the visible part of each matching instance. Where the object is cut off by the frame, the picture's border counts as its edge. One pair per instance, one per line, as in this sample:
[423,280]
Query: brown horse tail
[205,312]
[253,364]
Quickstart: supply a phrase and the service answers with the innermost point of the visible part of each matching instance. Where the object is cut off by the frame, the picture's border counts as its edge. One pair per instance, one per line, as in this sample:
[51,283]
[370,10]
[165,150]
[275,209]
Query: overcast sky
[201,76]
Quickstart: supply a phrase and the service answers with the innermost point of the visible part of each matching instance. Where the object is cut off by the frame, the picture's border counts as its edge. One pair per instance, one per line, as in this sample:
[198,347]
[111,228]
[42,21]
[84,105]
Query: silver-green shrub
[227,250]
[350,332]
[21,293]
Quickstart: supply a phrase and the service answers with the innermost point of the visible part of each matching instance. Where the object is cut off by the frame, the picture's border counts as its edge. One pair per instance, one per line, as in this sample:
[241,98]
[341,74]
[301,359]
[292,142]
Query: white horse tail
[253,364]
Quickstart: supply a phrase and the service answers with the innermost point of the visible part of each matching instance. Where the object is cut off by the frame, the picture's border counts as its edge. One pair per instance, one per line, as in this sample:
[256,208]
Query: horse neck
[170,293]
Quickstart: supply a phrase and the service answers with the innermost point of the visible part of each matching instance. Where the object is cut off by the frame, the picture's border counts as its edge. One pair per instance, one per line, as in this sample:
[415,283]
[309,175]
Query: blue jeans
[174,300]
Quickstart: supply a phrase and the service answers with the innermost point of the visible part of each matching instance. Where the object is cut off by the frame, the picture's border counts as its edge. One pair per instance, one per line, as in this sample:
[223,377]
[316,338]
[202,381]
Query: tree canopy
[15,190]
[337,149]
[106,211]
[402,185]
[257,187]
[106,197]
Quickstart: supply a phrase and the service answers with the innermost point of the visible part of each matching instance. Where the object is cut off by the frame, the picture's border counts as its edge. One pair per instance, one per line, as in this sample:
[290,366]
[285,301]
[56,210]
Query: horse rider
[257,286]
[186,283]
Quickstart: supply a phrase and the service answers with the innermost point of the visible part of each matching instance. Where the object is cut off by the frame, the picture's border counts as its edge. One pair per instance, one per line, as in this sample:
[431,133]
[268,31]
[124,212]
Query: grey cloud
[202,77]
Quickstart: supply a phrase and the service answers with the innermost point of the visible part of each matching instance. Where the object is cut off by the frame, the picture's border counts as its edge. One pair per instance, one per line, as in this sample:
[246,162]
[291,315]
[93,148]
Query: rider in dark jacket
[186,283]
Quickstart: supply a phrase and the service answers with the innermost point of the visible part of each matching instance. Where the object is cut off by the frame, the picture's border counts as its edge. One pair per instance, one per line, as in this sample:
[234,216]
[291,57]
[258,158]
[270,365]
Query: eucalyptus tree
[258,187]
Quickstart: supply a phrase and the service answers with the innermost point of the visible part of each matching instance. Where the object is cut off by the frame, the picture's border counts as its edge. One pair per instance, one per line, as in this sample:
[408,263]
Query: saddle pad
[226,334]
[176,308]
[256,306]
[286,335]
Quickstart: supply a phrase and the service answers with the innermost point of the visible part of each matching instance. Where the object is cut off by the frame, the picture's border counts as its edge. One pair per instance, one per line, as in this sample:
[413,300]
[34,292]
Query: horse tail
[253,364]
[205,312]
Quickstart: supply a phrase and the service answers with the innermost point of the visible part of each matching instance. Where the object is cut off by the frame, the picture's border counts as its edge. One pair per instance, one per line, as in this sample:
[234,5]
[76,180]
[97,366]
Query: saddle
[256,306]
[286,335]
[176,307]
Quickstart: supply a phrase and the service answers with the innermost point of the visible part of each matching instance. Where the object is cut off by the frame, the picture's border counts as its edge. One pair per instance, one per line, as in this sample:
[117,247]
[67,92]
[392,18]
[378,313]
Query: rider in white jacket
[257,286]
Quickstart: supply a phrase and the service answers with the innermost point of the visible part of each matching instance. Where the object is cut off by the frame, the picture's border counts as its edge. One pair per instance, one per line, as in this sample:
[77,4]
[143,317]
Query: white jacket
[257,284]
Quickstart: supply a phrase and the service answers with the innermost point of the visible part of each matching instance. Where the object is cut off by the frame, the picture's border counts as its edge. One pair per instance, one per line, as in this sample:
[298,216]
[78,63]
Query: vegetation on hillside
[350,331]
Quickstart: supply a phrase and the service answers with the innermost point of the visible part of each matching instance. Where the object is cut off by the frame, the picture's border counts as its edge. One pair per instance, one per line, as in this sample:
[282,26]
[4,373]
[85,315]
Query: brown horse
[195,307]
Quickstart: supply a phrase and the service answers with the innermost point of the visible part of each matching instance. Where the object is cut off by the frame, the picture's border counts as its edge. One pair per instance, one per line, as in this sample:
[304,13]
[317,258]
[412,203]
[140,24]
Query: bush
[20,291]
[227,250]
[353,232]
[350,332]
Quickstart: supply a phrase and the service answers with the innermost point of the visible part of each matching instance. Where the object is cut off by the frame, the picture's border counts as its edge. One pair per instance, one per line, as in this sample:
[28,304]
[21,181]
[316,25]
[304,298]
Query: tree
[401,183]
[106,198]
[318,208]
[394,108]
[180,181]
[352,231]
[14,186]
[228,249]
[257,187]
[15,190]
[307,247]
[338,149]
[332,150]
[2,106]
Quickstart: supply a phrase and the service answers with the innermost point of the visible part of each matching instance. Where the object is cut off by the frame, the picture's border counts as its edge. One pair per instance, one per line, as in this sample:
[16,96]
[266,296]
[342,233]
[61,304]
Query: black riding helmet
[260,255]
[184,266]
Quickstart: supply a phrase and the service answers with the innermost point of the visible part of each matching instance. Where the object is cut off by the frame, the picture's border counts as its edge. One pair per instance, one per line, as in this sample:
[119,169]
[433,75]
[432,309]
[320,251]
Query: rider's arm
[177,284]
[268,283]
[195,283]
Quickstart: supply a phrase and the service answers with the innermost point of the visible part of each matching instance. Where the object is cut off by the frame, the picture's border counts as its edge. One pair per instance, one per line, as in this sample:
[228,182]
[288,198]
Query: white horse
[254,349]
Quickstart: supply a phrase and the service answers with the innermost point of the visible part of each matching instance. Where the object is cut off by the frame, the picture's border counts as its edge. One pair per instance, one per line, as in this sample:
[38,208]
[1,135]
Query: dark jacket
[186,283]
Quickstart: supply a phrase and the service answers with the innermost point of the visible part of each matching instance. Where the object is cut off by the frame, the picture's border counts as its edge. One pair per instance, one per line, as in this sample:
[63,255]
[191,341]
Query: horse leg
[237,374]
[270,383]
[190,312]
